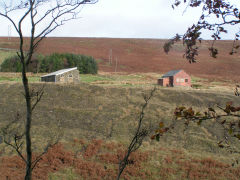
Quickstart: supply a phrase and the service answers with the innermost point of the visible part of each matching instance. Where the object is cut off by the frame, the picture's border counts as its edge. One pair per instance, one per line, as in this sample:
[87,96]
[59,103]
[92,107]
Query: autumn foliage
[94,160]
[99,160]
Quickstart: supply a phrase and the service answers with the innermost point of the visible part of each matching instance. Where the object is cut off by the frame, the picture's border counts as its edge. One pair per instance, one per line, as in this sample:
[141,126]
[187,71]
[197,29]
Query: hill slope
[88,111]
[144,55]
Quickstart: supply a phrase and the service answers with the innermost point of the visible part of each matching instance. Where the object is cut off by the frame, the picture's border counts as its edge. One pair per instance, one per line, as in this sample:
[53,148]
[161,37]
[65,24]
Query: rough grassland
[89,112]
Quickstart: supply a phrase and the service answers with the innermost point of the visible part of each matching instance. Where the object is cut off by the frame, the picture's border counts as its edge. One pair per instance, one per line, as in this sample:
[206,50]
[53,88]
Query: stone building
[65,75]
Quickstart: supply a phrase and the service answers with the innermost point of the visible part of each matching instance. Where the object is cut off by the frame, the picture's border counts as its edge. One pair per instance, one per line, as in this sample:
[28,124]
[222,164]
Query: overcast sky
[126,19]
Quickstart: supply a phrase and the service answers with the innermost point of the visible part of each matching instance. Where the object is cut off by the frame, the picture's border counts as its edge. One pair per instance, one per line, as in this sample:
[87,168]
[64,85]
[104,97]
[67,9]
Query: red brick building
[175,78]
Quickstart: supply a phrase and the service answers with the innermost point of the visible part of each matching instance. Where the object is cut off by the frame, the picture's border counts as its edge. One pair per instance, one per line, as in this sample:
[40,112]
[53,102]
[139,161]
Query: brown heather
[99,159]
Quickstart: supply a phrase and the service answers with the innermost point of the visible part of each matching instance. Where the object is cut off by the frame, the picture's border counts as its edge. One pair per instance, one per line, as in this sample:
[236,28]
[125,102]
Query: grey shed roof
[171,73]
[60,72]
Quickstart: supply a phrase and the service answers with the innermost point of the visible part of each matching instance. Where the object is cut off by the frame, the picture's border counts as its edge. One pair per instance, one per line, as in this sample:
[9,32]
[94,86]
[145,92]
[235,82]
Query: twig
[140,134]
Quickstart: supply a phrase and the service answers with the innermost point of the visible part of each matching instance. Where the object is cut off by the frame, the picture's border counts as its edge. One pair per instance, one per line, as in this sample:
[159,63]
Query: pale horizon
[135,19]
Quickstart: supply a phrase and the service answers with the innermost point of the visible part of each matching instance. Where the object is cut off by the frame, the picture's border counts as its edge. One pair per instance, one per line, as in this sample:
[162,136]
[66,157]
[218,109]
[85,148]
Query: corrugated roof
[60,72]
[171,73]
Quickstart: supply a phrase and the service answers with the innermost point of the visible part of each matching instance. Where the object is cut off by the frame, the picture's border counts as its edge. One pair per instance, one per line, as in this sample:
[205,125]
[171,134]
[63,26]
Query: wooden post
[116,64]
[9,32]
[110,57]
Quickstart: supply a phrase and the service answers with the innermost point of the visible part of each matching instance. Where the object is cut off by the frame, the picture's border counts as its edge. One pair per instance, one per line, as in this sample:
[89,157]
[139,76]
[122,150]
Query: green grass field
[88,78]
[18,79]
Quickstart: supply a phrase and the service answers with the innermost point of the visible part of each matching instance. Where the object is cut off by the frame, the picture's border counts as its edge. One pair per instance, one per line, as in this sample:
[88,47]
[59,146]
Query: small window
[179,80]
[61,75]
[186,80]
[70,75]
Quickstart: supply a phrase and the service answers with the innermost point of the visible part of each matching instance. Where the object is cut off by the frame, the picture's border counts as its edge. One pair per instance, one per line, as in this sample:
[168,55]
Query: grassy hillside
[88,111]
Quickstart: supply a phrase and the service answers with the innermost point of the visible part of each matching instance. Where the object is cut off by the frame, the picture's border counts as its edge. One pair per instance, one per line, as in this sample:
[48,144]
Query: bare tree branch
[38,96]
[137,139]
[224,12]
[13,131]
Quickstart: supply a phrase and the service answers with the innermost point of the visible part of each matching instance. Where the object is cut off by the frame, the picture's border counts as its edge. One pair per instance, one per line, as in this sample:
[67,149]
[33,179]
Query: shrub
[11,64]
[53,62]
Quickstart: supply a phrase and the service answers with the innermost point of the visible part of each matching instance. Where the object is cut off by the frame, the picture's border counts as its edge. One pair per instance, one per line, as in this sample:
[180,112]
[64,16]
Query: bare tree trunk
[28,175]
